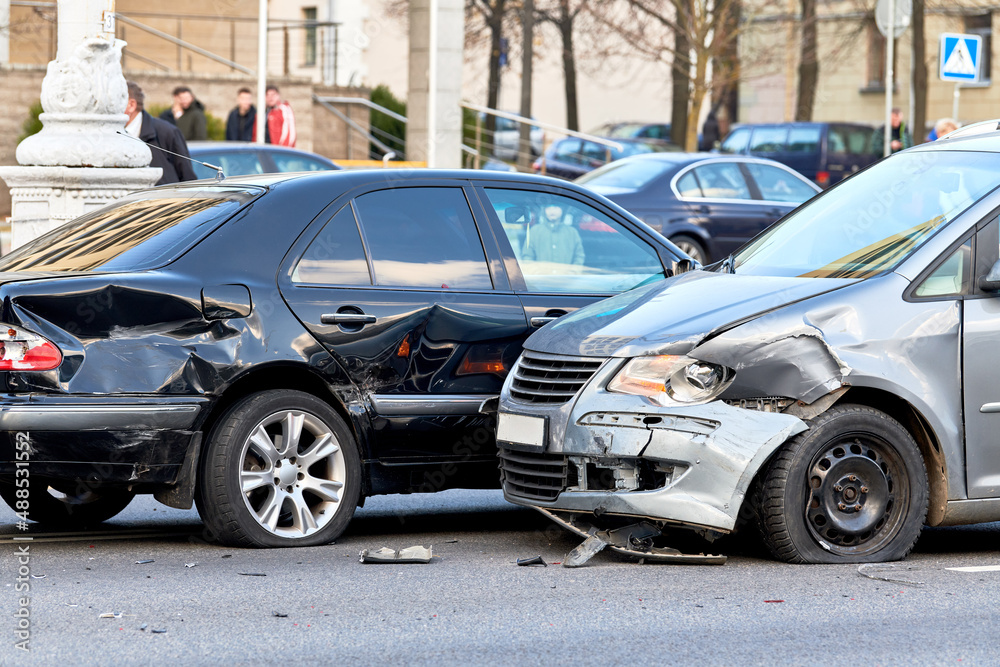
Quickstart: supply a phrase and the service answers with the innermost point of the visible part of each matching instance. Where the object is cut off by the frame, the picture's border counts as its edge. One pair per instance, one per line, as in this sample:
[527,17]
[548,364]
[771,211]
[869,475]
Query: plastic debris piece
[417,554]
[143,562]
[535,560]
[111,614]
[589,548]
[226,556]
[190,564]
[252,574]
[161,631]
[142,628]
[773,600]
[278,614]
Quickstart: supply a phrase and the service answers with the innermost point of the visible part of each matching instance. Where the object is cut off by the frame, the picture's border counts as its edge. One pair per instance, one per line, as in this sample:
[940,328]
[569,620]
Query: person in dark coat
[158,134]
[242,122]
[709,132]
[188,114]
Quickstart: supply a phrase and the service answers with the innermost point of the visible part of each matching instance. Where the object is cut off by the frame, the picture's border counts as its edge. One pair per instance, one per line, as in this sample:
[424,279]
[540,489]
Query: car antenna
[219,175]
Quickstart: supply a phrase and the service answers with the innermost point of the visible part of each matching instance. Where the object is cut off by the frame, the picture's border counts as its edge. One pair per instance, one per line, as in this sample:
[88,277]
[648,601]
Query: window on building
[982,25]
[876,58]
[309,13]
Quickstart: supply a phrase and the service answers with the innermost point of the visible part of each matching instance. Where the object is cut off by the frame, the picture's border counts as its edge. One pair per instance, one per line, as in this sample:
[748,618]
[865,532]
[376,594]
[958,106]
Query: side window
[803,140]
[722,180]
[768,140]
[776,184]
[687,186]
[567,151]
[849,139]
[423,237]
[951,277]
[737,141]
[237,163]
[292,162]
[336,256]
[565,246]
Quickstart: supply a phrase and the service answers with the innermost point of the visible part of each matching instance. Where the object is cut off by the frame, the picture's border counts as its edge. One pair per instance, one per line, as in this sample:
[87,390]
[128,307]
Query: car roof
[246,146]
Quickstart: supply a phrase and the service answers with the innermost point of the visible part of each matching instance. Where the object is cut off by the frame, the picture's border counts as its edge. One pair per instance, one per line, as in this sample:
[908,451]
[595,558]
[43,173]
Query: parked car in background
[507,139]
[832,385]
[633,130]
[571,157]
[825,153]
[239,158]
[277,348]
[707,204]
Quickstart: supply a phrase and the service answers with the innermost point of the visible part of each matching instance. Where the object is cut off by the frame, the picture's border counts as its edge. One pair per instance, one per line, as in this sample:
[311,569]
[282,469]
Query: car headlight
[672,380]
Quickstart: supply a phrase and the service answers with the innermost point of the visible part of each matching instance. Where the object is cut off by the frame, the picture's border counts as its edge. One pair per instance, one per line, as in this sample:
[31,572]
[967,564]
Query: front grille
[550,378]
[534,476]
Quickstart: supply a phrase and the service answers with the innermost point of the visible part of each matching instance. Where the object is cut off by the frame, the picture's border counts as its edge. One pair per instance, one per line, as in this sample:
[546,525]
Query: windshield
[872,222]
[630,174]
[136,233]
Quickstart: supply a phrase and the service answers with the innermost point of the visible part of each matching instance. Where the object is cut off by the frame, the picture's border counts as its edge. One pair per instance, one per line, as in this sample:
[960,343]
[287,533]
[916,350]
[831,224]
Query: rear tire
[79,507]
[693,248]
[281,469]
[851,489]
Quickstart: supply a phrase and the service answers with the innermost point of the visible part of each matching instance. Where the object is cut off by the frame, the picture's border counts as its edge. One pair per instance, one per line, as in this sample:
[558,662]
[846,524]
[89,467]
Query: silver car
[834,381]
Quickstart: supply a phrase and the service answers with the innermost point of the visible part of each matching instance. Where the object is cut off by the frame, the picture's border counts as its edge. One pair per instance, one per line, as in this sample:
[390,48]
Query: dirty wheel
[851,489]
[281,469]
[66,505]
[694,249]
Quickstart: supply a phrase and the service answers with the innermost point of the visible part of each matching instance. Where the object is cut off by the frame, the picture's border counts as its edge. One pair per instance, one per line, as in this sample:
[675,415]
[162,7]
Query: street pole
[432,58]
[890,39]
[954,101]
[261,69]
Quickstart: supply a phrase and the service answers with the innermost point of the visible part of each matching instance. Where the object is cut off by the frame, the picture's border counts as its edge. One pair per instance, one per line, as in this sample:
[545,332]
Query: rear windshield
[631,174]
[139,232]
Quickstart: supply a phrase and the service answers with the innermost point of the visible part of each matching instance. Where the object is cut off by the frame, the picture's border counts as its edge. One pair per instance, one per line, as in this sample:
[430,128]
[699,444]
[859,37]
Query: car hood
[673,315]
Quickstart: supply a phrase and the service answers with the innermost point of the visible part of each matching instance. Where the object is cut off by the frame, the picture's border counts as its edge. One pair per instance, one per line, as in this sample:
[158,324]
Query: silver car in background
[834,381]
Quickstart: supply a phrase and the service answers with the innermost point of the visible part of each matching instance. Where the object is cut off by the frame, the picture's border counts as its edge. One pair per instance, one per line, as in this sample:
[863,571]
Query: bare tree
[492,13]
[563,14]
[808,62]
[919,119]
[527,56]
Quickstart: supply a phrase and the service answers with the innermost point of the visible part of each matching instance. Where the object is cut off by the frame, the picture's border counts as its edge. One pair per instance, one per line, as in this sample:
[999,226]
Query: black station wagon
[277,348]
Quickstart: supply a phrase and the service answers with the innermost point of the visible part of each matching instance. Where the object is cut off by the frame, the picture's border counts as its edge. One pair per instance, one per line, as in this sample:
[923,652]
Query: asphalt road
[472,604]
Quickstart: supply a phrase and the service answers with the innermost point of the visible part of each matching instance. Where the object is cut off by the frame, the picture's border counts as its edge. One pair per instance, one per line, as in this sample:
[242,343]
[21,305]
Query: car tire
[77,508]
[693,248]
[851,489]
[259,488]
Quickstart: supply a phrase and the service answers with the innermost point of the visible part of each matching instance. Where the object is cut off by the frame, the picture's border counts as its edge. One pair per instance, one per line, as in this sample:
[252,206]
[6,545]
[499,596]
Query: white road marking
[977,568]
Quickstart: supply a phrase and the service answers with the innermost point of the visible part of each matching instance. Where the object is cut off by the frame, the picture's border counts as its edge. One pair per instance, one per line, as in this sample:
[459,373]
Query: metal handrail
[365,102]
[545,126]
[351,124]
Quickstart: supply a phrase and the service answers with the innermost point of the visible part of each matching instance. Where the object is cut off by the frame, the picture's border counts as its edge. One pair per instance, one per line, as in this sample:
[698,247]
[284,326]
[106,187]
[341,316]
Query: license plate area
[521,430]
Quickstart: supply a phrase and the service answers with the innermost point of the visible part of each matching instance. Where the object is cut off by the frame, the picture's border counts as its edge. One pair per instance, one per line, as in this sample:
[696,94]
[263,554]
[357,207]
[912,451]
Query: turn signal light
[22,350]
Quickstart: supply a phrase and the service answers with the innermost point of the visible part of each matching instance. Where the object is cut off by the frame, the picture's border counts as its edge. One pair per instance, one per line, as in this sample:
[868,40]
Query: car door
[400,287]
[563,252]
[720,201]
[779,190]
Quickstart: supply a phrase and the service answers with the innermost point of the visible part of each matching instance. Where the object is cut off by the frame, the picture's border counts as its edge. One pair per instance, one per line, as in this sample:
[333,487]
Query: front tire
[281,469]
[851,489]
[64,506]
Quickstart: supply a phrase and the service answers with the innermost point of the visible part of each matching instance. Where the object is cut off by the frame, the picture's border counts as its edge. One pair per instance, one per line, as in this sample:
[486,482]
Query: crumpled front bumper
[624,456]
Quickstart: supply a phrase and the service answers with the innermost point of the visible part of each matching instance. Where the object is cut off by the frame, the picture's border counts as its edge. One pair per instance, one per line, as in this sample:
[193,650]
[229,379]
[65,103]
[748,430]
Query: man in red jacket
[280,121]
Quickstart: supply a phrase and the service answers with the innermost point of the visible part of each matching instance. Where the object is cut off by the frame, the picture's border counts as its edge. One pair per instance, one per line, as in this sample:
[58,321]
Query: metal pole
[954,101]
[479,137]
[261,69]
[890,45]
[432,87]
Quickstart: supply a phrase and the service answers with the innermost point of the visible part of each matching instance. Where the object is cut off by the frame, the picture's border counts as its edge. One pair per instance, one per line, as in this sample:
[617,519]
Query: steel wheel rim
[292,474]
[690,249]
[857,493]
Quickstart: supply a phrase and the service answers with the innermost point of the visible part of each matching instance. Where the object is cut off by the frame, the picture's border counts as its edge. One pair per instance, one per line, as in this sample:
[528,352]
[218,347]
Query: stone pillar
[447,96]
[81,159]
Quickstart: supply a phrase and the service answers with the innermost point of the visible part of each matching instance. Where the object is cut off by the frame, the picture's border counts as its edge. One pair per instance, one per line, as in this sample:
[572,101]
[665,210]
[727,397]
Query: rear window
[139,232]
[631,174]
[851,140]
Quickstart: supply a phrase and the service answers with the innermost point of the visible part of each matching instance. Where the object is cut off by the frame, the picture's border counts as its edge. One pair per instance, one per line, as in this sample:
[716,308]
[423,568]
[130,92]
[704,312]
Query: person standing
[242,122]
[899,138]
[280,120]
[188,114]
[158,134]
[709,133]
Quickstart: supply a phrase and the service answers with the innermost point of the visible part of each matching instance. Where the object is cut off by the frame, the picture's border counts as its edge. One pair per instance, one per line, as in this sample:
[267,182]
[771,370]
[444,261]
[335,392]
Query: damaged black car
[277,348]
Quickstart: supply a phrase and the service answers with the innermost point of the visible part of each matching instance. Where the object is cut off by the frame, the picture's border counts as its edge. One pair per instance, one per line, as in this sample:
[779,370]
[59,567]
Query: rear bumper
[99,440]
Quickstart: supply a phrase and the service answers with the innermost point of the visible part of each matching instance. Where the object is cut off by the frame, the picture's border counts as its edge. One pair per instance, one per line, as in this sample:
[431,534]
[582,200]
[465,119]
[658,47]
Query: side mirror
[991,281]
[514,215]
[685,265]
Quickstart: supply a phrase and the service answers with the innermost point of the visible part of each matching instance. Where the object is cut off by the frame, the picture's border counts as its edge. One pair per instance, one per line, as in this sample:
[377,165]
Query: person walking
[280,120]
[242,122]
[188,114]
[900,138]
[158,134]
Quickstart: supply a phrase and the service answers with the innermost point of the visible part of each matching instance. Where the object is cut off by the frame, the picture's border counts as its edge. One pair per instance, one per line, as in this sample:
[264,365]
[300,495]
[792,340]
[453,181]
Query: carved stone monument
[81,159]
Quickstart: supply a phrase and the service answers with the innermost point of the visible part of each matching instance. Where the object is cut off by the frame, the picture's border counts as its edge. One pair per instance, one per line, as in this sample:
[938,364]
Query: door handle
[347,318]
[542,321]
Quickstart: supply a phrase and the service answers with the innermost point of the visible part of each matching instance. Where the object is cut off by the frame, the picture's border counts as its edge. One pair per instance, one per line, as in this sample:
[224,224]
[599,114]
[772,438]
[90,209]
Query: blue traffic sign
[959,57]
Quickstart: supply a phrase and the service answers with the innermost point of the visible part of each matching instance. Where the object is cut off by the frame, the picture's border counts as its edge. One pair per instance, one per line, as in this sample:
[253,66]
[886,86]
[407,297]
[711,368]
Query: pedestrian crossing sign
[960,56]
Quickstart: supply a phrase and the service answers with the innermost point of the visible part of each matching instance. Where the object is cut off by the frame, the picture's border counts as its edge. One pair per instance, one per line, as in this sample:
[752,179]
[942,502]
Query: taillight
[22,350]
[823,178]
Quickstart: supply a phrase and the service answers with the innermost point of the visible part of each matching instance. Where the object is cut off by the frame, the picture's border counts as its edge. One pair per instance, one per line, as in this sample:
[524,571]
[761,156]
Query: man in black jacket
[158,134]
[241,124]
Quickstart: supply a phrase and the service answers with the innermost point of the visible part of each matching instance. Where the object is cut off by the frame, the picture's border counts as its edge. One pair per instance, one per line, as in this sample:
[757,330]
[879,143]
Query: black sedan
[571,158]
[239,158]
[708,205]
[277,348]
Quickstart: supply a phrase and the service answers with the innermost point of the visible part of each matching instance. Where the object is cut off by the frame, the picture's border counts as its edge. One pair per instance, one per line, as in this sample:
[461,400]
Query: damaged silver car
[832,382]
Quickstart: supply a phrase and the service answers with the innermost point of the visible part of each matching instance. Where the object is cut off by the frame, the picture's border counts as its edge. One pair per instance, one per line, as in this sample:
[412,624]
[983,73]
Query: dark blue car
[707,204]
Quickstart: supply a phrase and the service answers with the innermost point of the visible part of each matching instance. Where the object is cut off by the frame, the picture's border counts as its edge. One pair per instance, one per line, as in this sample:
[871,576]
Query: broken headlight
[672,380]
